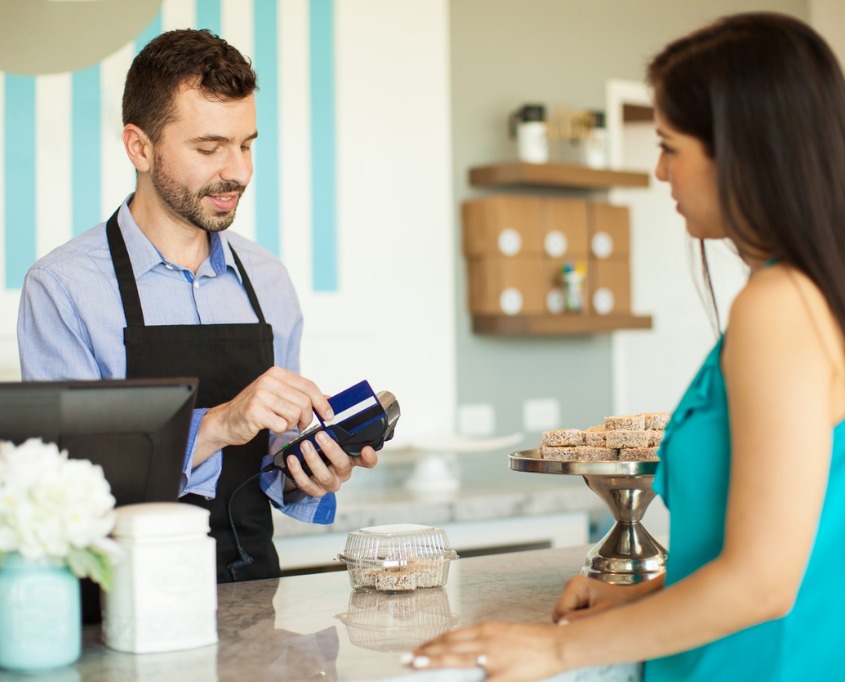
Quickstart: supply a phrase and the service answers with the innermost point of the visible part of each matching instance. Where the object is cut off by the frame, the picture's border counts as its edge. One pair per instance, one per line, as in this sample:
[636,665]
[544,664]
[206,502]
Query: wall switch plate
[476,419]
[541,414]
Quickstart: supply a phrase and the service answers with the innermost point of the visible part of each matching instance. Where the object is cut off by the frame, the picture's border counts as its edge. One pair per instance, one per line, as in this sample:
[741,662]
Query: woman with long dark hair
[750,114]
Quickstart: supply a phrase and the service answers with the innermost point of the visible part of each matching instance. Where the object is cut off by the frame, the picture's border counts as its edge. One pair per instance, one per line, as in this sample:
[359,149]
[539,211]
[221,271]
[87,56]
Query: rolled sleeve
[201,479]
[295,503]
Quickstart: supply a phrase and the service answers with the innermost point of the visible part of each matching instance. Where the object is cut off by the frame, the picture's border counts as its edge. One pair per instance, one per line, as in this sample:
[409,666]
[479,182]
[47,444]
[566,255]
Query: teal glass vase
[40,615]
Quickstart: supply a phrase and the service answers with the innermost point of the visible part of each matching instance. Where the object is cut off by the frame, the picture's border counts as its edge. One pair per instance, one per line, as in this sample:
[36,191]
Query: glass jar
[40,614]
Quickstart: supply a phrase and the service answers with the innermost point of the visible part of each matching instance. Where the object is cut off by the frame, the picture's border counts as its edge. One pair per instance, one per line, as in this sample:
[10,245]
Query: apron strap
[250,292]
[129,288]
[125,275]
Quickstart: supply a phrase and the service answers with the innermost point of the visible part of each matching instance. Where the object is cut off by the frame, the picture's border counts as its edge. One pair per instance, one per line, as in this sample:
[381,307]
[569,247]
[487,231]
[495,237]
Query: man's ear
[138,147]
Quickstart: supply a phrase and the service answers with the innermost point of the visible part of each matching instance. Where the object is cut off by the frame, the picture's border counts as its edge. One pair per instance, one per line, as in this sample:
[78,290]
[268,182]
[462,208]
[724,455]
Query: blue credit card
[354,410]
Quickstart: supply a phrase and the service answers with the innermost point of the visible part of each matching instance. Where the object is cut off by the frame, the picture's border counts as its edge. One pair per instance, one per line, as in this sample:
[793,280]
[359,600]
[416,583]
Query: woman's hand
[508,652]
[518,652]
[584,596]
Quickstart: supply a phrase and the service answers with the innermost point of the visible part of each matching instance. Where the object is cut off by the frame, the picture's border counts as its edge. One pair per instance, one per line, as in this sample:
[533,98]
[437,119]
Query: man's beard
[188,205]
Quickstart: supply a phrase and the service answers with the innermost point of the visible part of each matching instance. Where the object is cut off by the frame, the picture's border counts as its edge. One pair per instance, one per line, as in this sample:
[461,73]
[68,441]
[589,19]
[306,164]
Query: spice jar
[164,594]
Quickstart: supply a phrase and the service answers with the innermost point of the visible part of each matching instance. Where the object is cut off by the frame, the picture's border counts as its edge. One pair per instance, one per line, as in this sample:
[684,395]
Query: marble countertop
[314,627]
[484,488]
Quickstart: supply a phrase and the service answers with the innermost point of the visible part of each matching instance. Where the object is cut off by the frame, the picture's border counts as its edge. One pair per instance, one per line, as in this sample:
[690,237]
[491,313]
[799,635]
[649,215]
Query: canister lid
[160,519]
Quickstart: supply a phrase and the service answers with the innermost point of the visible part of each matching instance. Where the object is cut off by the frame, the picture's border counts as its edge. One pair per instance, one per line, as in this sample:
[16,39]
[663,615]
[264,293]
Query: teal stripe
[85,149]
[268,189]
[323,148]
[19,173]
[208,15]
[153,29]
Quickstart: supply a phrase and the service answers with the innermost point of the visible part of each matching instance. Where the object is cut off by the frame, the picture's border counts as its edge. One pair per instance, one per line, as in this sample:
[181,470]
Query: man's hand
[326,477]
[278,400]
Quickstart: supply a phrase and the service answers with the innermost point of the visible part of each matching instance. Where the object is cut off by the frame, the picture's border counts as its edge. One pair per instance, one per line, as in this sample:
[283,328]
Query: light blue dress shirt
[71,321]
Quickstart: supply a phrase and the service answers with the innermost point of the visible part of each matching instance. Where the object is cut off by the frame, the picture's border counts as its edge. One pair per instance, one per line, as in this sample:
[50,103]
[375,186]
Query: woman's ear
[138,147]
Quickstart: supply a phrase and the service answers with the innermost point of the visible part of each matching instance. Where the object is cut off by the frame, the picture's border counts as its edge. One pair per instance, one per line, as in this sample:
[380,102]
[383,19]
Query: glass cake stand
[628,554]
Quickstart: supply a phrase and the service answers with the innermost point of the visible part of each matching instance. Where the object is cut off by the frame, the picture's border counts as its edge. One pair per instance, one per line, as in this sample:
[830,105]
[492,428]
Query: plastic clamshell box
[397,558]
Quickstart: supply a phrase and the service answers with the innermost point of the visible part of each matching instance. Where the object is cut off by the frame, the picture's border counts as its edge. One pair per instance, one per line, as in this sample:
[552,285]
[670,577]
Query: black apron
[225,358]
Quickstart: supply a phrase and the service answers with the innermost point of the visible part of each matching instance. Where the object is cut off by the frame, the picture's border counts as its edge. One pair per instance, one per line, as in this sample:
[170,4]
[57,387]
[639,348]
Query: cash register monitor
[135,429]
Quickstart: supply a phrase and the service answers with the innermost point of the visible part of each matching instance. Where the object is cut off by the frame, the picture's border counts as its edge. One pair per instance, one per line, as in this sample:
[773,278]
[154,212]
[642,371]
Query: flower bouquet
[55,516]
[56,509]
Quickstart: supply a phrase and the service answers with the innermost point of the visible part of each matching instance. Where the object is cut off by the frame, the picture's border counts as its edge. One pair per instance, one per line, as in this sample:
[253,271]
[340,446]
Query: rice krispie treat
[579,453]
[655,437]
[656,421]
[563,438]
[638,454]
[402,579]
[596,439]
[626,439]
[631,422]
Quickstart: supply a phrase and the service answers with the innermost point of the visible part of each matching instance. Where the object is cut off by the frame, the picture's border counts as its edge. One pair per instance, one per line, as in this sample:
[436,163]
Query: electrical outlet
[540,414]
[476,420]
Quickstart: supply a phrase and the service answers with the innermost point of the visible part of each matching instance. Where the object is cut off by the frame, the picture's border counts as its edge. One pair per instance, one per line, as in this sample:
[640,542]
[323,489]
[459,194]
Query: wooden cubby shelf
[563,325]
[553,175]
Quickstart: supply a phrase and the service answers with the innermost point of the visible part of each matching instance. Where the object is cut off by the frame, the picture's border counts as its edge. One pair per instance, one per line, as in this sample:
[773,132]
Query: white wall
[393,319]
[653,368]
[828,18]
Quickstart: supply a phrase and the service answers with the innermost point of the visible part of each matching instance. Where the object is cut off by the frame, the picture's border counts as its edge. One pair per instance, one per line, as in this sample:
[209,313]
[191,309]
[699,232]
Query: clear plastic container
[397,558]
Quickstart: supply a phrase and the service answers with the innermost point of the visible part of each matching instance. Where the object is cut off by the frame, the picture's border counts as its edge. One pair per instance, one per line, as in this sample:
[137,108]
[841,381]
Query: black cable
[244,559]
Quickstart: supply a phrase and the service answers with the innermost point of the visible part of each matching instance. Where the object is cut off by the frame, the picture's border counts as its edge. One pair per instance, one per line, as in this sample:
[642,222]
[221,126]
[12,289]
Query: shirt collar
[145,256]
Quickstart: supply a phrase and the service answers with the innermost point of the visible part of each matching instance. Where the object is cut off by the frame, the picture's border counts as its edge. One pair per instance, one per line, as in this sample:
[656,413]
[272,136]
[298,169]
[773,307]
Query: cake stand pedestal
[628,554]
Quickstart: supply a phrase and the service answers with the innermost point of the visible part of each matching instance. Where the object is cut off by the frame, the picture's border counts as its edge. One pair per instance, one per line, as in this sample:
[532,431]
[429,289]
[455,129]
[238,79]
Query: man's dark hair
[197,58]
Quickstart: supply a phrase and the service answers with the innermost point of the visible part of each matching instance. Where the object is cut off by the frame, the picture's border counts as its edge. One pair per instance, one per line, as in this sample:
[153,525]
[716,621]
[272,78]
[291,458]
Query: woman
[750,113]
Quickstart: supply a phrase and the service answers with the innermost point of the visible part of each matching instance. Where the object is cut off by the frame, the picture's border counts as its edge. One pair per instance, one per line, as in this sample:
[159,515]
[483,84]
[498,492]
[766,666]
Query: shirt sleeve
[201,479]
[295,503]
[52,344]
[57,347]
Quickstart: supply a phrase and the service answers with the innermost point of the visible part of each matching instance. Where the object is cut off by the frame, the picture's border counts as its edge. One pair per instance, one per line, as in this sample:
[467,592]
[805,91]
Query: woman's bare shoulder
[780,295]
[783,311]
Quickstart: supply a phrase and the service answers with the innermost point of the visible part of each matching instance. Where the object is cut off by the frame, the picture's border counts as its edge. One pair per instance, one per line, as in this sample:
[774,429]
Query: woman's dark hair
[766,97]
[186,56]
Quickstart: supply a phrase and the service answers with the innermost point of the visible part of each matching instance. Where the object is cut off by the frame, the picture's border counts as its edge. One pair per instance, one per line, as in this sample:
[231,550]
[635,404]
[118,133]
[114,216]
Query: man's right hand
[278,400]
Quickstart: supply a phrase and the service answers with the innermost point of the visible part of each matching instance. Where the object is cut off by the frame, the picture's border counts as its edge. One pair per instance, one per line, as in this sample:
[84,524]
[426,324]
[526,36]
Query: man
[161,290]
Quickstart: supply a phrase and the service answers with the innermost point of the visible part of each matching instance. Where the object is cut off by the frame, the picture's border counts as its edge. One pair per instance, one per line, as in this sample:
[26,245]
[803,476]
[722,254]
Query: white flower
[55,508]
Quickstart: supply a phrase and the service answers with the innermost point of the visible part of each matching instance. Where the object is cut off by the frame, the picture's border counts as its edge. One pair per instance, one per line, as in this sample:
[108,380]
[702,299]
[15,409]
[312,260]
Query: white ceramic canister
[164,594]
[595,144]
[528,125]
[532,144]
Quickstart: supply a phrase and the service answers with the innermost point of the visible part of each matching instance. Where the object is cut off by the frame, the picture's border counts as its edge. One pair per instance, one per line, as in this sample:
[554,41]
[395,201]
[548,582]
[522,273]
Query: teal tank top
[692,478]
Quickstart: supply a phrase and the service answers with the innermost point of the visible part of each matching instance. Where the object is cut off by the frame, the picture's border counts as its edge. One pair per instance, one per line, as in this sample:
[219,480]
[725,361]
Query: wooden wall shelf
[563,325]
[554,175]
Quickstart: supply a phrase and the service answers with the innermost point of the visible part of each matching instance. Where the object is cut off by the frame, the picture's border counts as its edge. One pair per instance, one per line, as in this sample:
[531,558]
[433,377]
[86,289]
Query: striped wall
[64,168]
[352,184]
